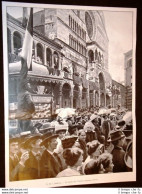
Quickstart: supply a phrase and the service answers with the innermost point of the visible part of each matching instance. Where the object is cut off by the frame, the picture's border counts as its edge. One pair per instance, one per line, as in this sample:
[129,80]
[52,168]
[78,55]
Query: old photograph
[69,78]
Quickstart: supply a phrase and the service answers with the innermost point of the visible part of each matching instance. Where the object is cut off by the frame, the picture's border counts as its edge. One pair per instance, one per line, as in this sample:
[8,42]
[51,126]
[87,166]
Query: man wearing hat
[50,162]
[69,120]
[16,164]
[32,165]
[106,128]
[117,138]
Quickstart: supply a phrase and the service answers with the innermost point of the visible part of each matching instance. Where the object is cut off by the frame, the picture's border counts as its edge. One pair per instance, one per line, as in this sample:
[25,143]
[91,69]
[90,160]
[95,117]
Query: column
[35,51]
[80,96]
[60,95]
[105,98]
[52,60]
[94,103]
[12,44]
[88,98]
[45,61]
[71,95]
[99,98]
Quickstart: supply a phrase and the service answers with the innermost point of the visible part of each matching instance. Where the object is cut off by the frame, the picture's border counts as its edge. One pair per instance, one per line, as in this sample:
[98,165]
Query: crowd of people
[81,144]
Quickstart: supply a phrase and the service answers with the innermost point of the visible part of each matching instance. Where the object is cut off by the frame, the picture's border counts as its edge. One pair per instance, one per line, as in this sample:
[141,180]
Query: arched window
[101,82]
[73,24]
[96,54]
[91,56]
[85,35]
[39,53]
[17,41]
[56,60]
[77,45]
[77,28]
[82,33]
[66,101]
[49,57]
[71,41]
[99,58]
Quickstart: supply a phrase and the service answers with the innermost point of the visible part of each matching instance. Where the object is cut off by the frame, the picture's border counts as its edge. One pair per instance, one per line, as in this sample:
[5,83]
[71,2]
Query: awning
[85,83]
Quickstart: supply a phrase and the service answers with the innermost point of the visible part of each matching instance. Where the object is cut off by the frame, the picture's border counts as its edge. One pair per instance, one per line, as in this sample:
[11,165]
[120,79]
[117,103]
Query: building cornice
[94,42]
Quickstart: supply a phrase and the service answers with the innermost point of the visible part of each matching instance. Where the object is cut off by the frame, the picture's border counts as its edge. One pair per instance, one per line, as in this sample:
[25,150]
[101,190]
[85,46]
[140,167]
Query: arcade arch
[66,101]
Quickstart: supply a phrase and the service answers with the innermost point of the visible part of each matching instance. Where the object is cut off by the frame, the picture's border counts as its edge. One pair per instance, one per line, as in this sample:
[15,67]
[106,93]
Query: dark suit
[118,159]
[50,165]
[106,128]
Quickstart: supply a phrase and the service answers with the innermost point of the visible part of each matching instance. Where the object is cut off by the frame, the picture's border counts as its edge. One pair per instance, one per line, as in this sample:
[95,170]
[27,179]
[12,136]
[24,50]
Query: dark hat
[116,135]
[68,141]
[78,117]
[69,117]
[47,139]
[38,125]
[32,139]
[121,123]
[127,133]
[129,127]
[93,145]
[72,128]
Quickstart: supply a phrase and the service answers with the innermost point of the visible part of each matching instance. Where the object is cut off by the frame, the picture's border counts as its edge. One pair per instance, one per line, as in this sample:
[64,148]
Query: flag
[26,53]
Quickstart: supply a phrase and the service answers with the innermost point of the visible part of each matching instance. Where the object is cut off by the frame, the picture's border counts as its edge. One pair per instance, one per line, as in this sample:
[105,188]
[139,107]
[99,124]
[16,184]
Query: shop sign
[42,99]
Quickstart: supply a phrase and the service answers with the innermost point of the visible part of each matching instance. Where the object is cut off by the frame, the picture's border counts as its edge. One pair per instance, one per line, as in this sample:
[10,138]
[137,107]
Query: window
[49,57]
[17,40]
[91,56]
[73,24]
[39,53]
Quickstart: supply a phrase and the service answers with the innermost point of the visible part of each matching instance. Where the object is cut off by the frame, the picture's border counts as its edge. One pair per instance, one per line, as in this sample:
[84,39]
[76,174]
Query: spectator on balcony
[56,61]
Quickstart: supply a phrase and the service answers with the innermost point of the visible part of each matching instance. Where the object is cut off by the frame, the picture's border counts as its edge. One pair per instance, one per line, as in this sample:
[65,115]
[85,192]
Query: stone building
[128,78]
[70,58]
[118,94]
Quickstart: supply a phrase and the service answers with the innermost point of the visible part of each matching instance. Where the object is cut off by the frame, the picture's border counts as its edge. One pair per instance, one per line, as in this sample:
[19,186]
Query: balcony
[67,75]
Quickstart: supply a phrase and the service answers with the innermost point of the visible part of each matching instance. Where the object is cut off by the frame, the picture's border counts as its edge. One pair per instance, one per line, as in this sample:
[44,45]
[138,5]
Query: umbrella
[128,117]
[65,112]
[112,110]
[59,110]
[102,111]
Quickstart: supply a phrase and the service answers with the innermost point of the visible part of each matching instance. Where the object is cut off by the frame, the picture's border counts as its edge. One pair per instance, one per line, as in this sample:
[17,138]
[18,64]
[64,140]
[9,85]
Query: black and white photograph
[69,85]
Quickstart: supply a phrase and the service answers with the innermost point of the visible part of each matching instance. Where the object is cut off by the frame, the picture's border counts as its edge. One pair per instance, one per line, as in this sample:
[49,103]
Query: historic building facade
[128,78]
[70,58]
[118,94]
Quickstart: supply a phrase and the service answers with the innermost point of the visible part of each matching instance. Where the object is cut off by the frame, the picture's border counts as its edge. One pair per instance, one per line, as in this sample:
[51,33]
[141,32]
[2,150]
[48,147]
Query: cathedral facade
[70,58]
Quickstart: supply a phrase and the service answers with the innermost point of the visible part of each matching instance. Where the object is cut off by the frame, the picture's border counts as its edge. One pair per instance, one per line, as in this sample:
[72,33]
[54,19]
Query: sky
[119,31]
